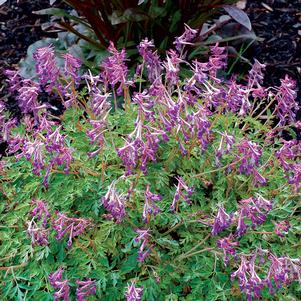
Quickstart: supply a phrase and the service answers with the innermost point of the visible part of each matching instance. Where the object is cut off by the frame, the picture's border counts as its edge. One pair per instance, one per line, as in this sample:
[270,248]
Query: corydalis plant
[71,227]
[199,158]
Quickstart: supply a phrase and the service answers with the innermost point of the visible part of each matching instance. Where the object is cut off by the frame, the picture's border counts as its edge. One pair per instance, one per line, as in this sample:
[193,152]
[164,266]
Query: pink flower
[133,293]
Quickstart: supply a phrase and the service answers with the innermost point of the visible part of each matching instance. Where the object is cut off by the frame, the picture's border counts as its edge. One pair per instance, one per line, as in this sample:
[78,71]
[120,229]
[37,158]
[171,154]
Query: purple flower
[71,67]
[143,236]
[60,154]
[28,96]
[186,38]
[222,221]
[249,153]
[288,156]
[255,77]
[172,67]
[183,191]
[45,124]
[225,145]
[133,293]
[115,204]
[282,228]
[6,128]
[150,59]
[40,212]
[217,60]
[200,71]
[145,104]
[237,98]
[54,141]
[249,281]
[258,178]
[14,80]
[46,67]
[96,133]
[71,226]
[38,234]
[115,70]
[255,209]
[34,151]
[149,206]
[85,288]
[286,98]
[228,247]
[62,286]
[99,103]
[136,149]
[282,271]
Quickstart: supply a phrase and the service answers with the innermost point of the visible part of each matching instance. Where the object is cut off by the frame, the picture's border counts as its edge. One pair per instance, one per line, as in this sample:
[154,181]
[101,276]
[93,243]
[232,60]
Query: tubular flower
[62,286]
[115,70]
[34,151]
[149,206]
[46,67]
[85,289]
[186,38]
[14,80]
[255,209]
[255,77]
[150,59]
[249,153]
[37,233]
[286,98]
[133,293]
[71,226]
[221,222]
[249,281]
[115,204]
[183,191]
[282,228]
[143,235]
[71,67]
[228,247]
[172,67]
[40,211]
[282,271]
[225,145]
[28,96]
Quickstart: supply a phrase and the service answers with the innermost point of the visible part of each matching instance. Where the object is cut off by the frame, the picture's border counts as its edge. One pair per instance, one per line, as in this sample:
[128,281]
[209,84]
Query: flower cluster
[84,287]
[228,247]
[222,221]
[254,209]
[143,236]
[133,293]
[150,206]
[73,227]
[115,70]
[37,226]
[288,156]
[114,203]
[183,191]
[60,285]
[282,228]
[282,271]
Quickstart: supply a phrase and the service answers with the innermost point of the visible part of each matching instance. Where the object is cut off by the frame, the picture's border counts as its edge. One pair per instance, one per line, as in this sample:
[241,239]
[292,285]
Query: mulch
[278,22]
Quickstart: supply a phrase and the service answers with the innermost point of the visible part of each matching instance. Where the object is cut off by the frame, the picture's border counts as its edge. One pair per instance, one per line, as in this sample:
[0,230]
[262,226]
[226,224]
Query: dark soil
[19,28]
[278,22]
